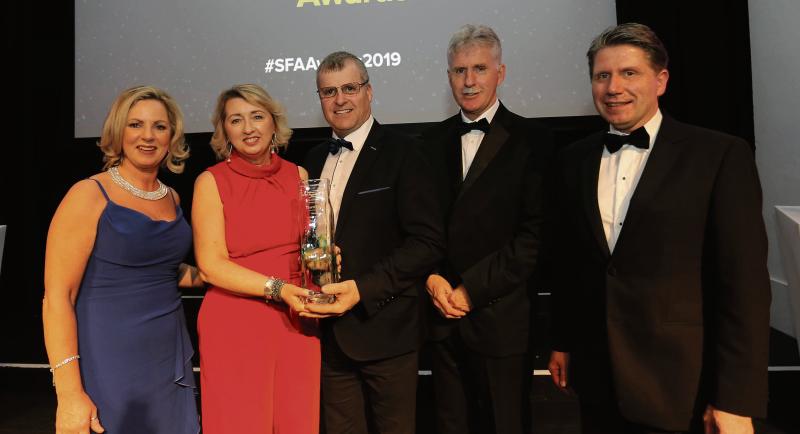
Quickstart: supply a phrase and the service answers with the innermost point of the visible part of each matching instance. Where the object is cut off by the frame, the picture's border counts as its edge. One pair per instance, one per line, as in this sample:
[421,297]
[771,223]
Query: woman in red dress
[259,362]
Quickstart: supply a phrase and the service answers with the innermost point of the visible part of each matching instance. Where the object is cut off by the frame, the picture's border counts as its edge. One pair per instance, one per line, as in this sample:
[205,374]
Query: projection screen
[196,48]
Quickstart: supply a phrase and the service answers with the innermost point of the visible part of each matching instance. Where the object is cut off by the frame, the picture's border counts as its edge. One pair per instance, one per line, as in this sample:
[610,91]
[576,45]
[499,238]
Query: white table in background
[788,219]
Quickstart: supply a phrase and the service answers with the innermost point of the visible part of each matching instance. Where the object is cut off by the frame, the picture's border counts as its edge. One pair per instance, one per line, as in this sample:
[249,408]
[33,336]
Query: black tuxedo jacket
[391,236]
[678,315]
[494,222]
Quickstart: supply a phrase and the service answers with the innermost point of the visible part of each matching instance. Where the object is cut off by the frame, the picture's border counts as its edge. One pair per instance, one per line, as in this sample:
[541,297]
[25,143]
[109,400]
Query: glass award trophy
[317,256]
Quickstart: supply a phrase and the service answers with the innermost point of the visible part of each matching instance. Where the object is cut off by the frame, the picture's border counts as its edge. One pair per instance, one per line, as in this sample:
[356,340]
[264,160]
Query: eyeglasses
[347,89]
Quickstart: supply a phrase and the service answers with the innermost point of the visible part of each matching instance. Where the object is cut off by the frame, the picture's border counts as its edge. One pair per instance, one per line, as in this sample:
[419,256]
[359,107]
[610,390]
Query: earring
[230,151]
[273,147]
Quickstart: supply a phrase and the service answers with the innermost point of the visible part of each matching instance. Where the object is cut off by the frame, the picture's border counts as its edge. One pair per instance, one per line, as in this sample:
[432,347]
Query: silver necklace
[156,194]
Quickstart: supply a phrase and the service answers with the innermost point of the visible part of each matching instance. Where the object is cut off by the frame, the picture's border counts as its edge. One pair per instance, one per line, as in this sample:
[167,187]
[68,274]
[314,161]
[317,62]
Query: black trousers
[592,378]
[475,393]
[369,397]
[605,418]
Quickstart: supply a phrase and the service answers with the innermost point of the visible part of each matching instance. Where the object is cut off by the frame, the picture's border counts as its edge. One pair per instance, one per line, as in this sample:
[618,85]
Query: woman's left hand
[294,297]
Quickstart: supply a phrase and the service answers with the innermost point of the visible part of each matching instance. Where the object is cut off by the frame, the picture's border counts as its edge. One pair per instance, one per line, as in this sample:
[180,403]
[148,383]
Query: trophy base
[320,298]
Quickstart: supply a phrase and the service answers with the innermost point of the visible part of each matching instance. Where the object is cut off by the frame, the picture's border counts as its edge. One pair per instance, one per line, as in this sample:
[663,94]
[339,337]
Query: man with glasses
[491,165]
[389,228]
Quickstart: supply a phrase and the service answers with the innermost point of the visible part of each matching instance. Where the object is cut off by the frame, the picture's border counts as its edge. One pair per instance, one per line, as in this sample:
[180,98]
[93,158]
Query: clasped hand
[451,303]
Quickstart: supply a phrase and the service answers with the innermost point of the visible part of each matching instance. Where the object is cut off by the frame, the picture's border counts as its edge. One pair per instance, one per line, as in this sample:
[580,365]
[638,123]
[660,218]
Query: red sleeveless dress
[259,366]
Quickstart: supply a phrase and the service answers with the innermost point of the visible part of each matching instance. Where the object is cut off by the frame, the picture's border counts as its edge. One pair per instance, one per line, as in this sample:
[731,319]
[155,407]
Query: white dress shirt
[338,167]
[619,175]
[471,142]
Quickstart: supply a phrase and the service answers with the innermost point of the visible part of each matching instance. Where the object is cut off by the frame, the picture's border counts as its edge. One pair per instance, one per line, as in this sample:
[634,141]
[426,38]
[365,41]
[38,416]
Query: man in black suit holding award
[662,303]
[490,163]
[390,232]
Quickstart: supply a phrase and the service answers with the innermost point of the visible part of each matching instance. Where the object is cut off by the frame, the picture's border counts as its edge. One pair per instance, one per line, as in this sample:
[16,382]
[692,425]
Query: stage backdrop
[196,48]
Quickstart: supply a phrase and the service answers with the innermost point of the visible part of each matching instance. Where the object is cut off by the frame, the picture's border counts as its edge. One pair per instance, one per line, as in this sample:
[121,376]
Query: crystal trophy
[317,256]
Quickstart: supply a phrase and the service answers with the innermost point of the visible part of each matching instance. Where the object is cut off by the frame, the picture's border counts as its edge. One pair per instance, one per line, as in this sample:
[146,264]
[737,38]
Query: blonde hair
[114,127]
[256,95]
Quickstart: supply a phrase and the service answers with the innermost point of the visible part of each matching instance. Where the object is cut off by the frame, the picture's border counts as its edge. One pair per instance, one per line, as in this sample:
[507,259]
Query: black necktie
[638,138]
[481,125]
[334,145]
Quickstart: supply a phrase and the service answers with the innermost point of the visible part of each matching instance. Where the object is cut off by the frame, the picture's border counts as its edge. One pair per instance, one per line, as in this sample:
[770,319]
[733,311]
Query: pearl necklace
[156,194]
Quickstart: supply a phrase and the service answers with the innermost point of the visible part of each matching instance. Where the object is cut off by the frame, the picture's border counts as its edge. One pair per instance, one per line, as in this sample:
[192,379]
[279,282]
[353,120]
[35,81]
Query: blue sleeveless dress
[135,349]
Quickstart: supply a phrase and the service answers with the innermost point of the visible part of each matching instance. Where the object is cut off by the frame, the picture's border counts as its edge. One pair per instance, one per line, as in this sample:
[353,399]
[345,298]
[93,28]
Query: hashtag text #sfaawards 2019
[318,3]
[294,64]
[289,64]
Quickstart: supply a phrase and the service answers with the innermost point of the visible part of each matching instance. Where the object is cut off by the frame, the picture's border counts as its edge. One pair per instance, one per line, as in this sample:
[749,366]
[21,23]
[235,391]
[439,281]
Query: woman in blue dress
[114,326]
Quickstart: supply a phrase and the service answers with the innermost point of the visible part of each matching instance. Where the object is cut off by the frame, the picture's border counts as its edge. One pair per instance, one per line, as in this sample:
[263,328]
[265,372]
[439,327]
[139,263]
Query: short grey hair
[337,60]
[635,34]
[475,34]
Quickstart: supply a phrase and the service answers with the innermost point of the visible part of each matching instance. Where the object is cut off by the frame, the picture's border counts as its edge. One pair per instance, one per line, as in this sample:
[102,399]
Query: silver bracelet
[62,363]
[272,289]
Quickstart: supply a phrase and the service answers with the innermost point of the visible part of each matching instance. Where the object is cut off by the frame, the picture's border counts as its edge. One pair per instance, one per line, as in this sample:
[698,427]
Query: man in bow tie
[661,311]
[380,185]
[490,163]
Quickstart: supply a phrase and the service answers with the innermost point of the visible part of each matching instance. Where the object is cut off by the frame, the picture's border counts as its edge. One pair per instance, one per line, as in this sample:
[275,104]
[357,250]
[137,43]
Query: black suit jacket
[493,220]
[391,236]
[678,315]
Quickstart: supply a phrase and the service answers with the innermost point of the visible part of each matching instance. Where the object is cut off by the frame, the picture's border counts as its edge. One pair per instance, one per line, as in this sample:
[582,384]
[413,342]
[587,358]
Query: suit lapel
[366,158]
[316,161]
[453,157]
[590,170]
[490,145]
[662,158]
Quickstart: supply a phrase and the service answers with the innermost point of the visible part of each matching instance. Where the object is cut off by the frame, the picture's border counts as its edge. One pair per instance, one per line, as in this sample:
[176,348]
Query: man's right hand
[558,366]
[716,421]
[347,296]
[439,289]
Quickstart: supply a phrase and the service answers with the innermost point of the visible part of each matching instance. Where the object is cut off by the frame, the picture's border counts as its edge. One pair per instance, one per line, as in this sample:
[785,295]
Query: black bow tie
[334,145]
[481,125]
[638,138]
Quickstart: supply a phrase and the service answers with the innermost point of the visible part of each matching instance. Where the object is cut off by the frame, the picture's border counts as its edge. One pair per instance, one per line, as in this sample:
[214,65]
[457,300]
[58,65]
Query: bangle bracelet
[272,289]
[62,363]
[276,290]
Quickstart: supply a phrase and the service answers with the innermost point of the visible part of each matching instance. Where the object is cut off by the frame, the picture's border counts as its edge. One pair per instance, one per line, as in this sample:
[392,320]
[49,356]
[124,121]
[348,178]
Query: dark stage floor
[27,401]
[27,405]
